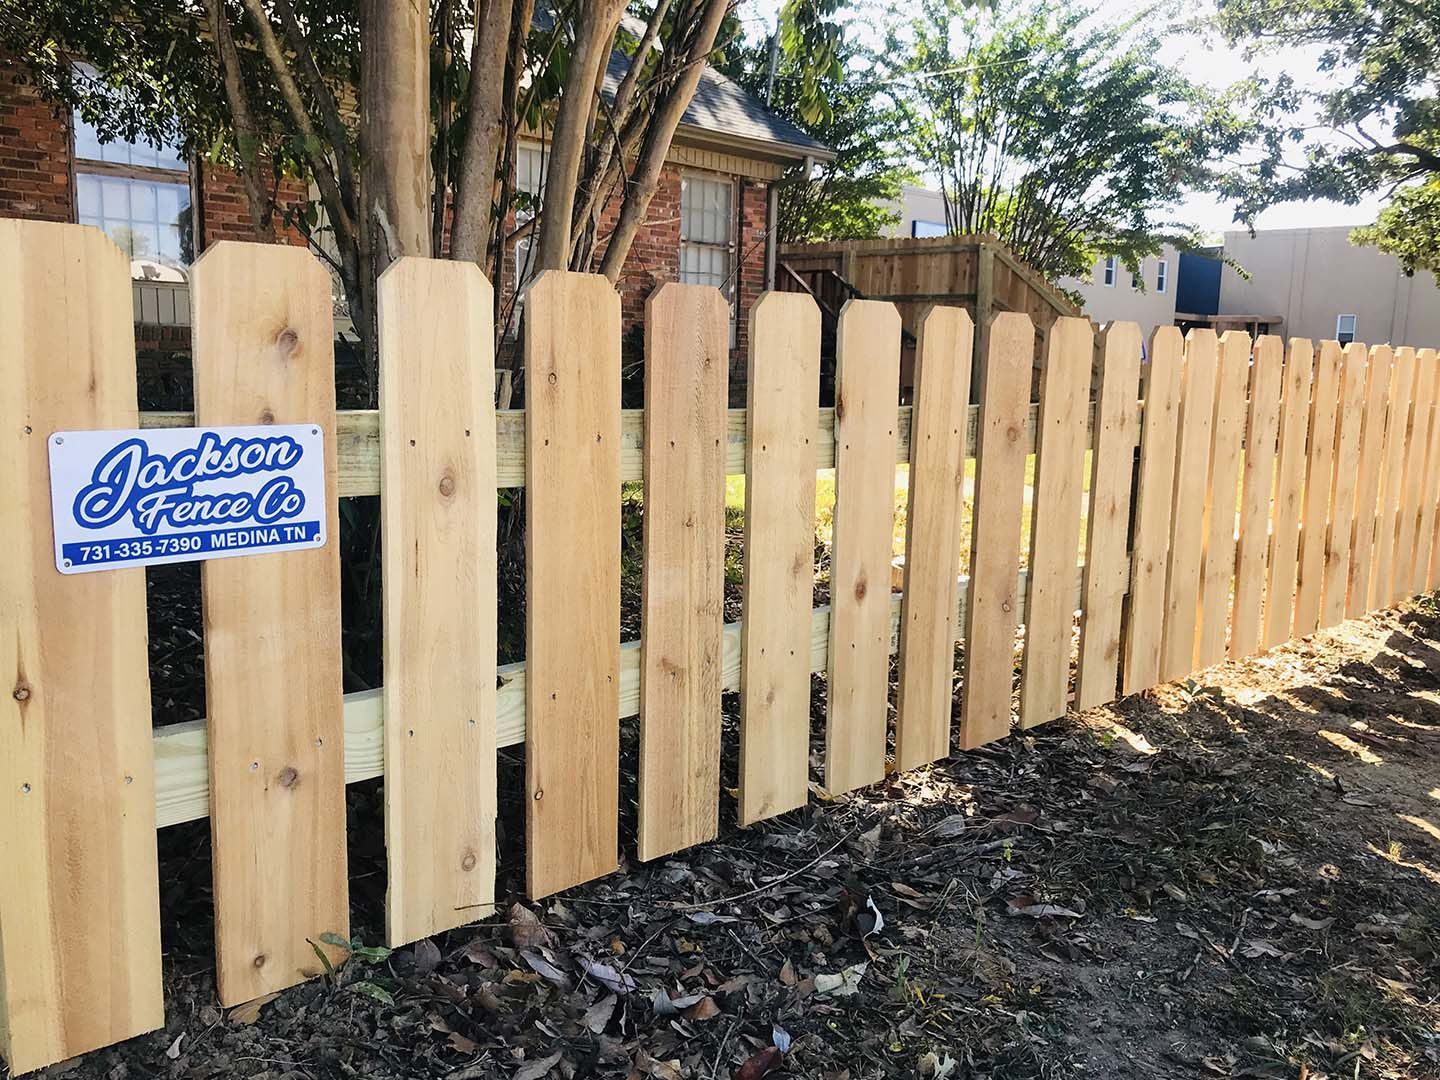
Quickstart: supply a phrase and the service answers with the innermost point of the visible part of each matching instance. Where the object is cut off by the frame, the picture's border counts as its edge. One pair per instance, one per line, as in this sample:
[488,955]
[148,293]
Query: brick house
[709,222]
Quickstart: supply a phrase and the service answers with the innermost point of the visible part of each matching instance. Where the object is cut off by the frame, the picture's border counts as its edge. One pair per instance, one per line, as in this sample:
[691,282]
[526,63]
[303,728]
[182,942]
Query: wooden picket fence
[1276,492]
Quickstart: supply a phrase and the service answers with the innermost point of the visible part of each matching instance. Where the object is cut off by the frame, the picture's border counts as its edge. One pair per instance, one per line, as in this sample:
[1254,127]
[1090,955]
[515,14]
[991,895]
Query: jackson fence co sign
[139,498]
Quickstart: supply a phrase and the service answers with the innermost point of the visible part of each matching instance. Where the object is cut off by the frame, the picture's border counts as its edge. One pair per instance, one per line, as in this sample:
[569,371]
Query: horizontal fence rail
[1220,497]
[357,433]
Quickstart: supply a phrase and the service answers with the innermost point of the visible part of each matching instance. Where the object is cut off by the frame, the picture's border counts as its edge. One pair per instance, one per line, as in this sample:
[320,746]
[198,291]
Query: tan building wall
[1121,299]
[1310,277]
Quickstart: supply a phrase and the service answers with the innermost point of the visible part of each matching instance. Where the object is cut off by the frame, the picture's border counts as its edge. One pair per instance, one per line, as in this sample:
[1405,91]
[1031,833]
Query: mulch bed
[1238,876]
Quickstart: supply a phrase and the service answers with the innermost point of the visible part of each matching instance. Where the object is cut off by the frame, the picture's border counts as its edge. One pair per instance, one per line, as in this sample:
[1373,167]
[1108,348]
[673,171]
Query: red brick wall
[754,206]
[226,211]
[34,152]
[655,259]
[36,176]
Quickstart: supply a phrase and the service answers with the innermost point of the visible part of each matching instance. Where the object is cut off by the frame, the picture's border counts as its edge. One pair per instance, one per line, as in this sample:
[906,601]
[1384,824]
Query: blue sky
[1207,59]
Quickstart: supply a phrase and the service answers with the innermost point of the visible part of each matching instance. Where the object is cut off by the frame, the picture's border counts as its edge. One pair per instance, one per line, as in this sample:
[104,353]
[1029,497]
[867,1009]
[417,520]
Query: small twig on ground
[752,893]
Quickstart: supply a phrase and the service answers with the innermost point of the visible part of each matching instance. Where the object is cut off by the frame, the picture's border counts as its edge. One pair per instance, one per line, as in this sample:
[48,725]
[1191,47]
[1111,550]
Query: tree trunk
[658,137]
[595,22]
[394,144]
[475,184]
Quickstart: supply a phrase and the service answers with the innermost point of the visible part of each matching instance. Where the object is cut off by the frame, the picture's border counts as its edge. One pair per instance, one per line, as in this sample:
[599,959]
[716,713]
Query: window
[706,232]
[1345,329]
[1162,275]
[530,164]
[1108,274]
[928,228]
[138,195]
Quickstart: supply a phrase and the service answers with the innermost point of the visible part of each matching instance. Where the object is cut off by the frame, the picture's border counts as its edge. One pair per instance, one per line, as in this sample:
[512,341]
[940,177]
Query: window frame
[731,289]
[1354,327]
[1162,275]
[1109,271]
[151,174]
[729,246]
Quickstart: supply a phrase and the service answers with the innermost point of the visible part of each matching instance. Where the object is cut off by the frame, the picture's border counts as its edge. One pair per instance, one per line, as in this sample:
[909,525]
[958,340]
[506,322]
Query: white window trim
[1162,275]
[1354,325]
[1109,271]
[731,289]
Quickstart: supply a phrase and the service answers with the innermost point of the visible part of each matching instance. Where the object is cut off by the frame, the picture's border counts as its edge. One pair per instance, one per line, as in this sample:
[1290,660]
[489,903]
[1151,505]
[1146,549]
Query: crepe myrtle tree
[1057,129]
[402,118]
[1372,128]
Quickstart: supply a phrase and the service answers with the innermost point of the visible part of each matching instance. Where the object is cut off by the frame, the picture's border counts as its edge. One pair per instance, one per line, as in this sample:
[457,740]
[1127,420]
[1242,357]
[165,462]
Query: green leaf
[372,990]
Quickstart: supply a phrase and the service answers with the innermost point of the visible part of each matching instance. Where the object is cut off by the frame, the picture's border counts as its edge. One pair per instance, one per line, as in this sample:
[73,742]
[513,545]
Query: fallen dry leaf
[761,1063]
[538,1068]
[525,929]
[250,1011]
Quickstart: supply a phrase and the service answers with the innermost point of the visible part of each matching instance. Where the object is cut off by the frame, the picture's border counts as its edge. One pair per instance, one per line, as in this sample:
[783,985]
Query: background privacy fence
[1277,490]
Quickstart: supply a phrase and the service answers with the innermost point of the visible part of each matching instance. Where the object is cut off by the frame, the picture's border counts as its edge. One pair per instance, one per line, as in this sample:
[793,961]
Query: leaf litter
[1181,884]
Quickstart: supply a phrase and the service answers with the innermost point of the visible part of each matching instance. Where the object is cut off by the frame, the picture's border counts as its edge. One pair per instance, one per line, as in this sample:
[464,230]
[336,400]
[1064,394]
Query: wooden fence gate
[1279,490]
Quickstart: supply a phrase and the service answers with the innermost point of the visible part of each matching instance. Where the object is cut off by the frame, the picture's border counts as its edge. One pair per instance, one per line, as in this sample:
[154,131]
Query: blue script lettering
[158,489]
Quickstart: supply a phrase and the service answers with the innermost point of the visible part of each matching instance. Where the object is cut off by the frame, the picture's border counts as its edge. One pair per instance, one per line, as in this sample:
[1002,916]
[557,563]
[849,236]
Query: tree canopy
[1373,129]
[406,119]
[854,196]
[1056,129]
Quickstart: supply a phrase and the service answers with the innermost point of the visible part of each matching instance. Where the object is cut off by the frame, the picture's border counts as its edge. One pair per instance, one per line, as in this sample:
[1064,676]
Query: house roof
[722,112]
[722,107]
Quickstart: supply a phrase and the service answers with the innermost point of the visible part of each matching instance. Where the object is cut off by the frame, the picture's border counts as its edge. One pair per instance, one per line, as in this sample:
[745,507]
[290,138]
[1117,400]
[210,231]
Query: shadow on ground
[1239,876]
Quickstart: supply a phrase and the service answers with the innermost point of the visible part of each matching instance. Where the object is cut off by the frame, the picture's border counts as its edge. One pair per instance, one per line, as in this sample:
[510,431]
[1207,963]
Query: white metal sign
[138,498]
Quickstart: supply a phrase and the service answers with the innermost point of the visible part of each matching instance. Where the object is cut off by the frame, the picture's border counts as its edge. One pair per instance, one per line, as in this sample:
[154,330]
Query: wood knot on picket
[289,776]
[447,485]
[287,341]
[21,693]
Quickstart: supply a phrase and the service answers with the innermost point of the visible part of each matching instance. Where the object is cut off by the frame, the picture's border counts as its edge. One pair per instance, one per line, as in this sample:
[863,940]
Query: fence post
[1289,493]
[572,579]
[783,413]
[1107,568]
[79,902]
[1055,520]
[992,613]
[1154,504]
[687,361]
[437,453]
[264,355]
[938,429]
[867,394]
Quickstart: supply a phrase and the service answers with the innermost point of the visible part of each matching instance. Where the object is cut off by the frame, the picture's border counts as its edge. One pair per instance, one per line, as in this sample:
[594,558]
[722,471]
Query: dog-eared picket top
[1278,489]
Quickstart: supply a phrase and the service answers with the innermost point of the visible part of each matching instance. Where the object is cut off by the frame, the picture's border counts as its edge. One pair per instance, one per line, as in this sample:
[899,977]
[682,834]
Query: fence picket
[1284,556]
[687,360]
[263,354]
[1227,436]
[992,616]
[867,391]
[1315,494]
[1055,520]
[1430,487]
[79,903]
[1187,517]
[925,697]
[1346,466]
[1417,445]
[1379,373]
[437,434]
[1397,435]
[784,394]
[1107,557]
[572,579]
[1262,427]
[1153,507]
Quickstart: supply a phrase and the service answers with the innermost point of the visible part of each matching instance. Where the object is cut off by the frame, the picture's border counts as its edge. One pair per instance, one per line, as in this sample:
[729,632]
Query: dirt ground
[1234,877]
